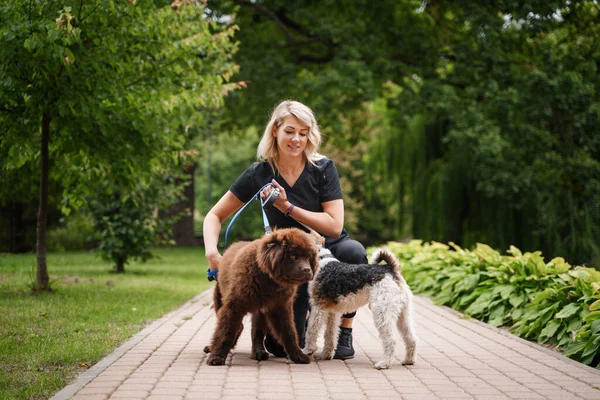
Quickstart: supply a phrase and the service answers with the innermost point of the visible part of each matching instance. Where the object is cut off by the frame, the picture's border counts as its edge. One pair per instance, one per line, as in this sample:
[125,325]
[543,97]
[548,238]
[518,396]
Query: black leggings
[347,250]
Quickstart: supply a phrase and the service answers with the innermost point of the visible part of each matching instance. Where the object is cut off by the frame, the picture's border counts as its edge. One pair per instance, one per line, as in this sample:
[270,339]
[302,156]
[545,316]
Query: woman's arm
[330,222]
[225,207]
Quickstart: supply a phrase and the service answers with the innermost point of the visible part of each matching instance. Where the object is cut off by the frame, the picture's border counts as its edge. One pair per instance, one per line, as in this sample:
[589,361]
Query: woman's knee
[350,251]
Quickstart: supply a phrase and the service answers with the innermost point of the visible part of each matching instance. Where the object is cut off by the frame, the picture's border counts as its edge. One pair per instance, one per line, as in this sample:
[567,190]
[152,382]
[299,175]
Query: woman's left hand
[282,201]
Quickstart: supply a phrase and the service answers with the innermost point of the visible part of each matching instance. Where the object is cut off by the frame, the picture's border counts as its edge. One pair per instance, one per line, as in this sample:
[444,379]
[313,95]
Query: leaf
[593,316]
[516,299]
[591,347]
[479,305]
[29,44]
[595,305]
[595,327]
[550,329]
[504,290]
[568,310]
[467,283]
[574,349]
[514,251]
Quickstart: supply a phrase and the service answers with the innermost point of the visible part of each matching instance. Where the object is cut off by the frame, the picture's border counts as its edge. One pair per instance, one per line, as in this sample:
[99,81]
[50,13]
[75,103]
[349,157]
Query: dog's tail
[384,254]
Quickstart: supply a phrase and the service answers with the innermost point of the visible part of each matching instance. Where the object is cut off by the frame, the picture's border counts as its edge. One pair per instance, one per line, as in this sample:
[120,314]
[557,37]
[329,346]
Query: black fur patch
[339,279]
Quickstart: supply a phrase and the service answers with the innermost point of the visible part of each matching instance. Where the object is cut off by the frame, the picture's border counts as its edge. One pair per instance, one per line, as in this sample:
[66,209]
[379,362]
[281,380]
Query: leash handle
[212,275]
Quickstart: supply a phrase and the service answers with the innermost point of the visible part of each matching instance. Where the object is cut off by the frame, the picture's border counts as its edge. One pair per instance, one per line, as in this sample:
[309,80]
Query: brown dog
[261,277]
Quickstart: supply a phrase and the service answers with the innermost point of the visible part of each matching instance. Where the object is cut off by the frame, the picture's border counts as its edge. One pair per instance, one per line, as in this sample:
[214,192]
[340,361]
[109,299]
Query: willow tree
[104,86]
[506,147]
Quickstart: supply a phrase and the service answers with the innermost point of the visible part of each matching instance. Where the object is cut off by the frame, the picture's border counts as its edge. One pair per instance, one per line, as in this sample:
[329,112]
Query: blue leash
[212,275]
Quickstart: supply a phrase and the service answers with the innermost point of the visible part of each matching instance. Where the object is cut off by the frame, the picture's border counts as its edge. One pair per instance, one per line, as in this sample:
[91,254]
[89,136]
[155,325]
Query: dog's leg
[332,333]
[259,331]
[282,327]
[386,303]
[229,323]
[316,320]
[217,303]
[406,327]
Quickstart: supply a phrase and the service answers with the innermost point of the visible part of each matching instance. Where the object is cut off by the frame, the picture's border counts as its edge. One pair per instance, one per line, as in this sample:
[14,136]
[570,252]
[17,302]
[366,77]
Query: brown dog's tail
[384,254]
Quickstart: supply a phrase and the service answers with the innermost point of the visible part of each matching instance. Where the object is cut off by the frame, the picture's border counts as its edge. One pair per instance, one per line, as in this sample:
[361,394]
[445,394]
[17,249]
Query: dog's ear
[270,250]
[275,239]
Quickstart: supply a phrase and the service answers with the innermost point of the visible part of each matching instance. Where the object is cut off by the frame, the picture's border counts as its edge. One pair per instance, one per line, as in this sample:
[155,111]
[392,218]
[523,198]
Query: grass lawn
[46,340]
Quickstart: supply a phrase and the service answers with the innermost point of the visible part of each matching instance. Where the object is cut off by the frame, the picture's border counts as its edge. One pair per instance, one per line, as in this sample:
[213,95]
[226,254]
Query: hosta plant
[550,302]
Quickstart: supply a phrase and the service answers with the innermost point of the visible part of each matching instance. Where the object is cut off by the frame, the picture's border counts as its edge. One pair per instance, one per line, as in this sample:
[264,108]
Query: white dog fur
[339,288]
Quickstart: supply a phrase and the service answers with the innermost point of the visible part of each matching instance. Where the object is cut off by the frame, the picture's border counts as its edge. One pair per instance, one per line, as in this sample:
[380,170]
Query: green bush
[550,302]
[75,232]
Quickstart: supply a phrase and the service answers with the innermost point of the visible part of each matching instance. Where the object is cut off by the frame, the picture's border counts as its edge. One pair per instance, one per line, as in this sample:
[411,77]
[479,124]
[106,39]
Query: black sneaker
[344,350]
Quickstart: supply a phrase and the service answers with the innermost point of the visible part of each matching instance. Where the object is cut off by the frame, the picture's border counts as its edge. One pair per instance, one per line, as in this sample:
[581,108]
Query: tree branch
[9,127]
[90,13]
[284,24]
[80,10]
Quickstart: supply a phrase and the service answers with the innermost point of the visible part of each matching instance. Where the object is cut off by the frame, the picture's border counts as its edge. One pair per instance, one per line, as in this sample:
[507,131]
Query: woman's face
[292,137]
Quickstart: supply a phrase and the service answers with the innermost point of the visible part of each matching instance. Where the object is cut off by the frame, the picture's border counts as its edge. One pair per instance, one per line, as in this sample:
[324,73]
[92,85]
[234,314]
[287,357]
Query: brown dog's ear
[269,251]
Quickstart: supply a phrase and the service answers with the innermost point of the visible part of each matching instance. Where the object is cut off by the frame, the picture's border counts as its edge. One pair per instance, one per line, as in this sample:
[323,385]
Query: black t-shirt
[315,185]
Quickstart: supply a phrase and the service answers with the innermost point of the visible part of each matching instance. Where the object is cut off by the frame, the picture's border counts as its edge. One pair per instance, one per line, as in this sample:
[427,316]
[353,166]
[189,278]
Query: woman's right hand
[214,259]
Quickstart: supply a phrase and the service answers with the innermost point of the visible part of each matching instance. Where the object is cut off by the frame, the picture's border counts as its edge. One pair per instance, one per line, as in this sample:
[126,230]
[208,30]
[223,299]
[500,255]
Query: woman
[310,196]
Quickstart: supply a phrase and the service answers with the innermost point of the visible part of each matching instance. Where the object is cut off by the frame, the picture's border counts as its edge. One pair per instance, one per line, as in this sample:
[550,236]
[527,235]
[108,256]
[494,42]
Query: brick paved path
[458,358]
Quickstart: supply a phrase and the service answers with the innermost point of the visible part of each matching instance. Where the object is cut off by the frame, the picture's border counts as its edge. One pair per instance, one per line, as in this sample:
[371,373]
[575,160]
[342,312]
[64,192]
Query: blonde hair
[267,148]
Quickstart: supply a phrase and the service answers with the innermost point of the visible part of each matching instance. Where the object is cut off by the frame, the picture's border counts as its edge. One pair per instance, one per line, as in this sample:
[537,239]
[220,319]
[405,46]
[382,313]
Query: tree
[106,83]
[506,148]
[489,116]
[126,219]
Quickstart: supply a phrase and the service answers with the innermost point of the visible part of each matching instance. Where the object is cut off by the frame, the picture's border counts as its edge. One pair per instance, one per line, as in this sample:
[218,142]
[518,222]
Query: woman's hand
[214,259]
[282,202]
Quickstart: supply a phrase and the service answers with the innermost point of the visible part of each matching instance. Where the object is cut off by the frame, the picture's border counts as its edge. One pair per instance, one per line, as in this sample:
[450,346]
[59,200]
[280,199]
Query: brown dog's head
[289,256]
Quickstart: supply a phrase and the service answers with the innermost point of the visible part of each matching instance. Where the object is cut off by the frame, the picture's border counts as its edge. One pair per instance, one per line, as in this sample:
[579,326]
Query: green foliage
[123,82]
[113,84]
[499,142]
[223,158]
[550,302]
[74,232]
[482,122]
[126,220]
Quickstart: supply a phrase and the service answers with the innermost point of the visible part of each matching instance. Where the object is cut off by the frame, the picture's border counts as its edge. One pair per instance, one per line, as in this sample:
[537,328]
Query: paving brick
[95,391]
[90,397]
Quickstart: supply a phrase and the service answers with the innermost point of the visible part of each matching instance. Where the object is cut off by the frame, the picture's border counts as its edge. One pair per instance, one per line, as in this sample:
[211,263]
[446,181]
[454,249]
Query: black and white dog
[339,288]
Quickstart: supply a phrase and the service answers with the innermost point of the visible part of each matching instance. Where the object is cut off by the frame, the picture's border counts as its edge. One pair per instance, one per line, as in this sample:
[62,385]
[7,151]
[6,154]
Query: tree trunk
[42,280]
[183,229]
[120,269]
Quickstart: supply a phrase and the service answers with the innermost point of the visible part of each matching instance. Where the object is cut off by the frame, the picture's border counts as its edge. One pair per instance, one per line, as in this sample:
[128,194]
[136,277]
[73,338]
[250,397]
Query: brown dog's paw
[215,360]
[300,358]
[207,349]
[260,355]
